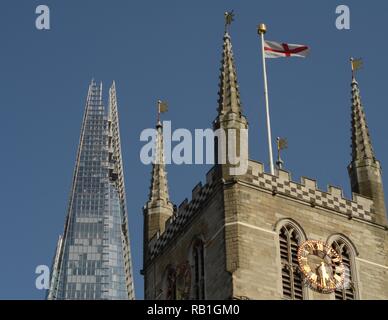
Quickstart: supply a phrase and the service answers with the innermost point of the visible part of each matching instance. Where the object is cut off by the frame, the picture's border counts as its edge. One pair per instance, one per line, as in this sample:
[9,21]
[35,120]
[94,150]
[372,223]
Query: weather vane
[356,64]
[281,144]
[162,107]
[229,18]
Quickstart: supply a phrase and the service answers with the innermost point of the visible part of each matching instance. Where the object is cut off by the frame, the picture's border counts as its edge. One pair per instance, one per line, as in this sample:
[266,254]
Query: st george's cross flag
[281,50]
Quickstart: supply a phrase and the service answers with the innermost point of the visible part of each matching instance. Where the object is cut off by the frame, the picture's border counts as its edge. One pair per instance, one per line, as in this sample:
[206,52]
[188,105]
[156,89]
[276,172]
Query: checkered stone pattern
[306,191]
[185,212]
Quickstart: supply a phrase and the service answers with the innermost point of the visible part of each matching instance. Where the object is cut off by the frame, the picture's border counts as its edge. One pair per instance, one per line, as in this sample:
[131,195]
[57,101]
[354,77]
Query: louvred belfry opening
[292,281]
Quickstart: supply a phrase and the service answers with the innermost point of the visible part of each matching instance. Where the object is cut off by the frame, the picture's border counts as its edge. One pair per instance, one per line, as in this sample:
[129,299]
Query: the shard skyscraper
[93,257]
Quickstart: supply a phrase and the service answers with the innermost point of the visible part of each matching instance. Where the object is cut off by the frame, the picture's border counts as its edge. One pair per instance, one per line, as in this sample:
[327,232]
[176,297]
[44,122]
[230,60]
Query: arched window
[292,282]
[345,249]
[199,270]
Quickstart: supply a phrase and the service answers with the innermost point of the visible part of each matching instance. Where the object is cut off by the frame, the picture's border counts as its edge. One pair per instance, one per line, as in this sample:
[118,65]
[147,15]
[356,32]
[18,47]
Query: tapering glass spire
[93,259]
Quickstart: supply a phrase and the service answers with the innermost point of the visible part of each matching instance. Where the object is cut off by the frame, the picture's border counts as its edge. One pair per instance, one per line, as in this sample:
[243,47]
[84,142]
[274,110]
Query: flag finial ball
[261,28]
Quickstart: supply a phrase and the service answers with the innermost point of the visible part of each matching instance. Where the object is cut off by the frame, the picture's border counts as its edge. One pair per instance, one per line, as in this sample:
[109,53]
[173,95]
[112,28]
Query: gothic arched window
[292,282]
[199,270]
[347,252]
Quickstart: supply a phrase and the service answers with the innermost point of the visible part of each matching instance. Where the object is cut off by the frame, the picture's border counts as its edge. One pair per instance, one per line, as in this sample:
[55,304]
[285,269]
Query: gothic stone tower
[238,236]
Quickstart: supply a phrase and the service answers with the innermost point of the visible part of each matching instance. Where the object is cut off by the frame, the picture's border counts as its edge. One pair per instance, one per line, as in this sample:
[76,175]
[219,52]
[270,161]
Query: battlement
[184,212]
[281,184]
[307,191]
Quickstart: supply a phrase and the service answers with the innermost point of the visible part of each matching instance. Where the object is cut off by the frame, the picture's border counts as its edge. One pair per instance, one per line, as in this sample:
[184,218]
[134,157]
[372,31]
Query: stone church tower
[238,237]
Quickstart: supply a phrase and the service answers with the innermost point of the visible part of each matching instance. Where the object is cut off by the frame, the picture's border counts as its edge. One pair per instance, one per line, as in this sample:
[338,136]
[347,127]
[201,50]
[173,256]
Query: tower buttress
[365,170]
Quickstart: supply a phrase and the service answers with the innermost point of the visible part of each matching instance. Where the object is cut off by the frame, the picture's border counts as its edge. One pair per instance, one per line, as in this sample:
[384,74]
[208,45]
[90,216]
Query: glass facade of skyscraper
[93,259]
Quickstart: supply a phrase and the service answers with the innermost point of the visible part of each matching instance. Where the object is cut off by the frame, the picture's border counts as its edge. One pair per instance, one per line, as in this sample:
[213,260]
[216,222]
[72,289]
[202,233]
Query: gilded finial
[355,64]
[229,18]
[162,107]
[281,145]
[261,28]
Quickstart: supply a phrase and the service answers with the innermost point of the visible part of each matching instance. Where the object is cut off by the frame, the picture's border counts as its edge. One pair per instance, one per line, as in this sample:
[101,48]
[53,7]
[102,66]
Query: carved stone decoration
[183,281]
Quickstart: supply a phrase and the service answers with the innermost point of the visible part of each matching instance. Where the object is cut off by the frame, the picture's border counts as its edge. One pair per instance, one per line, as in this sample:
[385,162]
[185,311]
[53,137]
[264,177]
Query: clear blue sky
[171,50]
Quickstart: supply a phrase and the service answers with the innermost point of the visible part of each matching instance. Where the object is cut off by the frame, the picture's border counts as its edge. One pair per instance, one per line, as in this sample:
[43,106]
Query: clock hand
[321,270]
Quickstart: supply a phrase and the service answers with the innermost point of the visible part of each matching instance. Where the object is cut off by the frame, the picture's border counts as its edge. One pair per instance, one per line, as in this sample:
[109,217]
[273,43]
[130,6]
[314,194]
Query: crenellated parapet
[184,213]
[308,192]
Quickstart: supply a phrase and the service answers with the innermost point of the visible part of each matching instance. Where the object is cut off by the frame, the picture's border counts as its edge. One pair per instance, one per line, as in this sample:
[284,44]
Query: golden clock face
[321,265]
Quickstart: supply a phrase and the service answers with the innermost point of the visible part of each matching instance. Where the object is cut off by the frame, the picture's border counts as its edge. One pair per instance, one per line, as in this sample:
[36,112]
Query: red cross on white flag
[280,50]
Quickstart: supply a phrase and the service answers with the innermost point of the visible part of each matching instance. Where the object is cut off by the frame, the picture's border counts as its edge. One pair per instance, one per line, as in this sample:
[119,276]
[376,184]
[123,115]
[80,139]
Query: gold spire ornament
[229,18]
[261,28]
[356,64]
[162,107]
[281,144]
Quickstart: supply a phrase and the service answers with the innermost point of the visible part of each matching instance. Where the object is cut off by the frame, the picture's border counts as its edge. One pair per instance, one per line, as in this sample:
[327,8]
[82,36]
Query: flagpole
[262,30]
